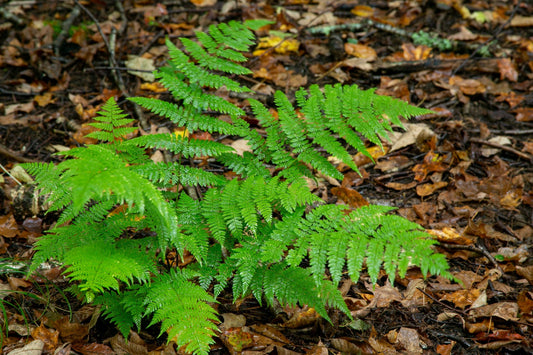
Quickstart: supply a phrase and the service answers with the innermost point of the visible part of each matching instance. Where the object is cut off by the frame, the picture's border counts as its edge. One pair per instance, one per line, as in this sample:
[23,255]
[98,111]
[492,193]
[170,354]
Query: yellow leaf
[281,46]
[363,11]
[181,132]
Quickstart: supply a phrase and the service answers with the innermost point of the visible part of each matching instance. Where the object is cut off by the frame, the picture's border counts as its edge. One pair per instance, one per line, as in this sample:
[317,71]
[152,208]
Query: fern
[121,213]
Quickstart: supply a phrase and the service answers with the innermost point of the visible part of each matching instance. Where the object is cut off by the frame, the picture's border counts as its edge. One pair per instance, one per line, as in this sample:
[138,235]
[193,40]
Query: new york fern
[121,213]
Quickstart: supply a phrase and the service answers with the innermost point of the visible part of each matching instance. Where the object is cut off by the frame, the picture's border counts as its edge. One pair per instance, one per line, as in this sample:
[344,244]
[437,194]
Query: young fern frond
[181,307]
[112,123]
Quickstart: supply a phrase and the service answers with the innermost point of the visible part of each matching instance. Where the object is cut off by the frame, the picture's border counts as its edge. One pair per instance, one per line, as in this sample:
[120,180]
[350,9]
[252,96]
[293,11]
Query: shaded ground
[464,173]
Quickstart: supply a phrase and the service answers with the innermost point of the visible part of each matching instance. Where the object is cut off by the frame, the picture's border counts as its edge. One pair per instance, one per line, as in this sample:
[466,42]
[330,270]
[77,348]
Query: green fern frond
[187,147]
[181,307]
[365,235]
[169,174]
[247,165]
[101,265]
[111,123]
[187,117]
[125,309]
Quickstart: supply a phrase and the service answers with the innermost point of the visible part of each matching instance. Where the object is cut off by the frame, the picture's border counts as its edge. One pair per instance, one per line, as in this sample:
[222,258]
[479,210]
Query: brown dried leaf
[450,235]
[503,310]
[353,198]
[428,189]
[507,70]
[462,298]
[50,337]
[467,86]
[401,187]
[375,152]
[8,226]
[411,53]
[393,164]
[93,349]
[526,272]
[360,51]
[524,114]
[302,317]
[71,332]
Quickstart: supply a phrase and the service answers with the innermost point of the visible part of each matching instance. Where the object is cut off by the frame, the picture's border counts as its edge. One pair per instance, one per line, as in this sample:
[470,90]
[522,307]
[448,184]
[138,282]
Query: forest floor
[464,173]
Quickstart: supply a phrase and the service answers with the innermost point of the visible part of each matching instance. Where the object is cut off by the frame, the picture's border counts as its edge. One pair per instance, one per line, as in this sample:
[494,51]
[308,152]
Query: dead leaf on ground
[503,310]
[353,198]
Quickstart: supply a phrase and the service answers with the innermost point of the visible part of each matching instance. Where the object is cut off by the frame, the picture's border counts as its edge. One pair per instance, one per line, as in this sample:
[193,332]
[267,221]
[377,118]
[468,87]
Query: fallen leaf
[526,272]
[241,146]
[507,70]
[375,152]
[280,45]
[35,347]
[521,21]
[413,133]
[468,86]
[203,3]
[462,298]
[409,340]
[503,310]
[360,51]
[363,11]
[353,198]
[139,65]
[524,114]
[428,189]
[50,337]
[401,187]
[411,53]
[450,235]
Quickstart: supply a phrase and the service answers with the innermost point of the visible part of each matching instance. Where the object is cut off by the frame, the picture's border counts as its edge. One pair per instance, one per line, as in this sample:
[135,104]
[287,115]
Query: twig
[110,45]
[9,154]
[65,29]
[8,173]
[464,342]
[503,147]
[477,249]
[516,132]
[443,304]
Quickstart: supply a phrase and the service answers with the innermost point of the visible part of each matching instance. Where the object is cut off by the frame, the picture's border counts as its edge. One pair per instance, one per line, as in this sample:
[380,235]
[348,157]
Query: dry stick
[503,147]
[514,132]
[65,28]
[498,31]
[444,304]
[477,249]
[9,154]
[113,63]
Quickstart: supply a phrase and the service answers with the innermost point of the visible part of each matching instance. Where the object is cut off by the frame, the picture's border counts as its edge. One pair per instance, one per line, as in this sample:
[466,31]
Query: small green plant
[122,213]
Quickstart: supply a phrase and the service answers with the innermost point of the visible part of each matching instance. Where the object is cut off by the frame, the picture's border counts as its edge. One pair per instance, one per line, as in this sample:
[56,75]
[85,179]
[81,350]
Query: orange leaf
[428,189]
[410,52]
[49,337]
[399,186]
[363,11]
[360,51]
[350,196]
[507,70]
[468,86]
[450,235]
[375,152]
[524,114]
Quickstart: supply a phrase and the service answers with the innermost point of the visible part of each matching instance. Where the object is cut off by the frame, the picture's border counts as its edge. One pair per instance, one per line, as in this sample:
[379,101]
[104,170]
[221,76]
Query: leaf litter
[463,173]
